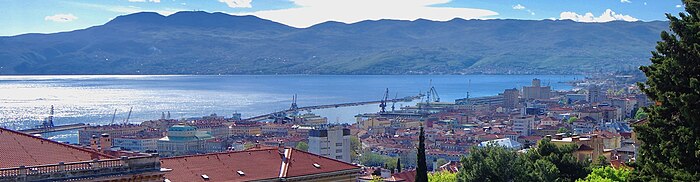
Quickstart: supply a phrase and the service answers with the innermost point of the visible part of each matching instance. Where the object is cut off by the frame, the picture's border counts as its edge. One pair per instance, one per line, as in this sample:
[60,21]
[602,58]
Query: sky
[49,16]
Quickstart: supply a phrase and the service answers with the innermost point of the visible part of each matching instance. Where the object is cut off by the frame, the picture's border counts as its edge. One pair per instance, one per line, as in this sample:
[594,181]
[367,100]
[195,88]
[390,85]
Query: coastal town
[597,116]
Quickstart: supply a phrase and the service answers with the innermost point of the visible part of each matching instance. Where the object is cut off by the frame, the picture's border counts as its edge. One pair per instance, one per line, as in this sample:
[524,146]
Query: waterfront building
[333,142]
[182,139]
[114,130]
[496,100]
[310,119]
[536,91]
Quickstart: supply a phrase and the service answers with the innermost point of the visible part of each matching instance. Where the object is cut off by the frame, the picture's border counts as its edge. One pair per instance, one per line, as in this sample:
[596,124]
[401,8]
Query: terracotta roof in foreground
[255,164]
[19,149]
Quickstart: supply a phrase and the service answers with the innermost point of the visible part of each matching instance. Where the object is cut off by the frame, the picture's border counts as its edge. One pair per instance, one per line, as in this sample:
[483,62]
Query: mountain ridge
[218,43]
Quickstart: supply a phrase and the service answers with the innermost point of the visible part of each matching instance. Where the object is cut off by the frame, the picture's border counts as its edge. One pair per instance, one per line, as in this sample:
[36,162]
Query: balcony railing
[73,170]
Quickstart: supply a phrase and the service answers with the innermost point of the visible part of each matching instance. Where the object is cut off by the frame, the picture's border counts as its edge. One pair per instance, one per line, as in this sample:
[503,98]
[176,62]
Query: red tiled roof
[19,149]
[409,176]
[256,164]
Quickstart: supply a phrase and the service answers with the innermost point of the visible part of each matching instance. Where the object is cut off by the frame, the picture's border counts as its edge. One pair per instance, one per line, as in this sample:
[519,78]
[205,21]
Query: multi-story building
[310,119]
[595,94]
[511,98]
[523,125]
[182,139]
[496,100]
[245,129]
[115,131]
[536,91]
[572,98]
[333,142]
[138,143]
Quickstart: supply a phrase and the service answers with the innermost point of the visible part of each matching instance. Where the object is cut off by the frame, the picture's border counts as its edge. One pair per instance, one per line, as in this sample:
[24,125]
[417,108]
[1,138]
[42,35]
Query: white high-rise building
[333,143]
[523,124]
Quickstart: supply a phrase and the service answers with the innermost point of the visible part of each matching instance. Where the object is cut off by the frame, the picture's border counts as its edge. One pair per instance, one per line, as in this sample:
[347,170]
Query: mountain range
[195,42]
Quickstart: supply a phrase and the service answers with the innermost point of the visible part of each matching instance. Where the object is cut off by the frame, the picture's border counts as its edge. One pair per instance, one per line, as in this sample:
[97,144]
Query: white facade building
[523,125]
[333,143]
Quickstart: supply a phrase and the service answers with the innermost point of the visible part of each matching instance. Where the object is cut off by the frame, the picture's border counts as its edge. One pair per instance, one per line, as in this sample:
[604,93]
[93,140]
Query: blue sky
[47,16]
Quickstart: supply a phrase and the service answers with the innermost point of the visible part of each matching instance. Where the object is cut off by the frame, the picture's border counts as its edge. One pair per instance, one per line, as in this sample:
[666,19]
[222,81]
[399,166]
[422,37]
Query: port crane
[393,103]
[48,122]
[432,92]
[114,115]
[294,106]
[128,116]
[382,104]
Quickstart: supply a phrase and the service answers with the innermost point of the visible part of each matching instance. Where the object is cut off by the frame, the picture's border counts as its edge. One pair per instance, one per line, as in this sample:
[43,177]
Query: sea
[25,101]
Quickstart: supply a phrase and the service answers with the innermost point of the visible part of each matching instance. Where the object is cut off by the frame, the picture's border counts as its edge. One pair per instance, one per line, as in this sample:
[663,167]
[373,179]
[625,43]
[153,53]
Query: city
[350,91]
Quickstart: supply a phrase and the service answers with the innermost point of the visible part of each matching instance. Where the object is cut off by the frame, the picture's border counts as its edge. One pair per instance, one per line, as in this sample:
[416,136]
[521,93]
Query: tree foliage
[422,166]
[302,146]
[355,147]
[377,160]
[670,140]
[607,174]
[640,114]
[547,162]
[442,176]
[572,119]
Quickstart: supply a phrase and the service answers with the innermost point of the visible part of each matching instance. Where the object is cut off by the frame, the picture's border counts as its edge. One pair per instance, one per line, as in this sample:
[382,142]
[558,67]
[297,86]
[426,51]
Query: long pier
[54,129]
[326,106]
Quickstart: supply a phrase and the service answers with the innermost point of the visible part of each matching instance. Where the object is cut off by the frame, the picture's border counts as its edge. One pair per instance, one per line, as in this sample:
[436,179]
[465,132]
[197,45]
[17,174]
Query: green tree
[572,119]
[376,160]
[489,163]
[302,146]
[355,147]
[441,162]
[670,140]
[546,162]
[562,130]
[640,114]
[601,162]
[607,174]
[398,165]
[422,166]
[442,176]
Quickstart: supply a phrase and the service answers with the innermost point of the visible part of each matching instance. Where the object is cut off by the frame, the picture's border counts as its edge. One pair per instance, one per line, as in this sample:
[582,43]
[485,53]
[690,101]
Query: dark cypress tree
[398,165]
[422,168]
[670,139]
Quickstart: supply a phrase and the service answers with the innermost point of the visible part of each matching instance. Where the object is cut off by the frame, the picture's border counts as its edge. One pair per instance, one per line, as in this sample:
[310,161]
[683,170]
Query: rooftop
[19,149]
[255,164]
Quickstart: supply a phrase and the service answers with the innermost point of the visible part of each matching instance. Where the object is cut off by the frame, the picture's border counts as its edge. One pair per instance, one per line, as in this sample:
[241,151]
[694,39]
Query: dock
[54,128]
[326,106]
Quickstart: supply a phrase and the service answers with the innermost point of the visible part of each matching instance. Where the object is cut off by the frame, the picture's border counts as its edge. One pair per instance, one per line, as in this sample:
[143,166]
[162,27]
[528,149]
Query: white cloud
[61,18]
[238,3]
[625,1]
[311,12]
[607,16]
[140,1]
[679,6]
[126,9]
[519,7]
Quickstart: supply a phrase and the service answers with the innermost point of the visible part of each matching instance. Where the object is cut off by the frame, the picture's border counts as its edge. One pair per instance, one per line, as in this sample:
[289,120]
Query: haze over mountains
[217,43]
